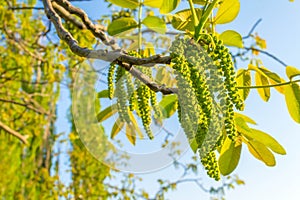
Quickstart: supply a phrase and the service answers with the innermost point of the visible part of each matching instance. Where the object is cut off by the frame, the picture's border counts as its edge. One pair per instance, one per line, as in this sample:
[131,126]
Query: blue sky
[281,28]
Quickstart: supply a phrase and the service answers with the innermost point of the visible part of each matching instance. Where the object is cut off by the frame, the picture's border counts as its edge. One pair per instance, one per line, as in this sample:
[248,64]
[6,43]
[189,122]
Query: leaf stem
[140,35]
[205,16]
[267,86]
[194,14]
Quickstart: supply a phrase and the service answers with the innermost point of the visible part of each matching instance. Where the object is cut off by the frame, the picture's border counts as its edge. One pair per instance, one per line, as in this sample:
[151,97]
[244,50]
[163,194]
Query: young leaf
[261,152]
[168,105]
[228,11]
[135,125]
[107,113]
[232,38]
[131,4]
[245,118]
[183,20]
[193,145]
[200,2]
[291,72]
[243,78]
[155,23]
[229,156]
[117,127]
[261,80]
[121,25]
[168,6]
[292,99]
[267,140]
[153,3]
[271,75]
[103,94]
[130,134]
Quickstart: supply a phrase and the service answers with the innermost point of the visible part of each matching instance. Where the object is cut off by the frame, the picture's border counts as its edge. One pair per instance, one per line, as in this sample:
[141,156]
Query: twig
[252,29]
[14,133]
[266,53]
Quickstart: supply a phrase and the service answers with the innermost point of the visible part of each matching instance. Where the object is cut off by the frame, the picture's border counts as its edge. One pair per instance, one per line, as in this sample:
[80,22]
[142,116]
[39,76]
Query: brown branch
[14,133]
[67,16]
[97,30]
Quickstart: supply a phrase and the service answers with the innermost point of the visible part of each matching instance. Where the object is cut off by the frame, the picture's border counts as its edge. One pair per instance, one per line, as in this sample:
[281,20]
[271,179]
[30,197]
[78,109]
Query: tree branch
[97,30]
[14,133]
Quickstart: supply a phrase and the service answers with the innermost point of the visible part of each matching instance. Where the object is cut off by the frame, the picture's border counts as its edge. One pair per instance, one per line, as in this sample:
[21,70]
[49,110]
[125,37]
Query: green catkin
[110,80]
[121,95]
[206,76]
[155,106]
[131,92]
[143,95]
[210,163]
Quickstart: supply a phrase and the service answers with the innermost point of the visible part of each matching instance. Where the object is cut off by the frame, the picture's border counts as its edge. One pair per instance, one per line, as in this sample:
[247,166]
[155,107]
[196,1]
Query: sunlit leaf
[232,38]
[130,134]
[183,20]
[107,113]
[243,78]
[168,6]
[291,72]
[168,105]
[153,3]
[200,2]
[245,118]
[229,156]
[261,80]
[267,140]
[117,127]
[131,4]
[135,125]
[227,12]
[292,99]
[121,25]
[261,152]
[155,23]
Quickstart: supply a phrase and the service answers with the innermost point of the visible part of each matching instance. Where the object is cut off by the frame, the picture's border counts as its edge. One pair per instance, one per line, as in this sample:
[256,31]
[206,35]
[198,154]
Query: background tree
[34,65]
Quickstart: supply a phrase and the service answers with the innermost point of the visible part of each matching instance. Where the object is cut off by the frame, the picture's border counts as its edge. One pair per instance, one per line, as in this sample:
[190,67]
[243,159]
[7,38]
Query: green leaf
[271,75]
[107,113]
[168,105]
[227,12]
[193,145]
[153,3]
[155,23]
[267,140]
[131,4]
[130,134]
[183,20]
[291,72]
[168,6]
[229,156]
[117,127]
[245,118]
[261,152]
[135,125]
[292,99]
[242,126]
[103,94]
[121,25]
[200,2]
[260,80]
[243,78]
[232,38]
